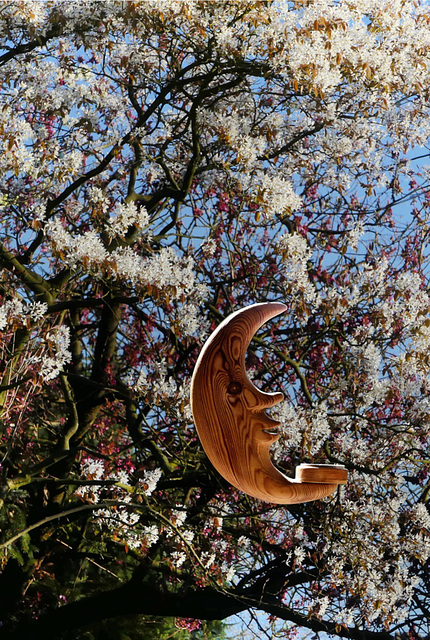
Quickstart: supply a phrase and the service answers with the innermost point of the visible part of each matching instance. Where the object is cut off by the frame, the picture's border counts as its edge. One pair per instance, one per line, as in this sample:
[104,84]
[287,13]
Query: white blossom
[151,535]
[59,341]
[178,517]
[228,571]
[207,559]
[125,216]
[150,480]
[208,247]
[17,310]
[178,558]
[93,468]
[295,254]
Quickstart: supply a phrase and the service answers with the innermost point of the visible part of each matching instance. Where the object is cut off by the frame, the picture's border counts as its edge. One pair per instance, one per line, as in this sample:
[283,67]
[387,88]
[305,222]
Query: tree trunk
[205,604]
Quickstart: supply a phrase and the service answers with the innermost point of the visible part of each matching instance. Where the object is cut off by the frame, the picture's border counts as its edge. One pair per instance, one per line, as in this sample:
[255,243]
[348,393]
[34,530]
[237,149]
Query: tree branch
[39,41]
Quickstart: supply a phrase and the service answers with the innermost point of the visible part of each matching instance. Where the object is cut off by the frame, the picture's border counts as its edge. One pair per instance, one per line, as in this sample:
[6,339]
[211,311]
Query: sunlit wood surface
[230,416]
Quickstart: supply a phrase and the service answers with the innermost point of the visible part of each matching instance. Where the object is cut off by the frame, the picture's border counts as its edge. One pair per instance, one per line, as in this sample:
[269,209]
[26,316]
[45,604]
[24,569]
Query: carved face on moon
[230,416]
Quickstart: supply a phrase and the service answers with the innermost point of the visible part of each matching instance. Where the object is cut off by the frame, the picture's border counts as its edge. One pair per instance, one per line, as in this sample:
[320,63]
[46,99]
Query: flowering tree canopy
[164,163]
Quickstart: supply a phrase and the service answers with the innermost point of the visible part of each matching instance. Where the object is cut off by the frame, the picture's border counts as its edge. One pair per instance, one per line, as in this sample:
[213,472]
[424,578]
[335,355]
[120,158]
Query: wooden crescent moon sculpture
[230,416]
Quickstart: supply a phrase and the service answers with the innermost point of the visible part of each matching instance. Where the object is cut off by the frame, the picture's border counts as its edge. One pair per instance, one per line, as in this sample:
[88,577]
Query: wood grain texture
[230,416]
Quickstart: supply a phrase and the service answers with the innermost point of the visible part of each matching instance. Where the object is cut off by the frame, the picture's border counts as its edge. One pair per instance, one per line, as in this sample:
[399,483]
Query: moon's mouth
[273,430]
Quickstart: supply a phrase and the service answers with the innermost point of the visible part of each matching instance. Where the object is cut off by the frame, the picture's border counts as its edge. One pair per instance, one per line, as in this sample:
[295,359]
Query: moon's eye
[234,388]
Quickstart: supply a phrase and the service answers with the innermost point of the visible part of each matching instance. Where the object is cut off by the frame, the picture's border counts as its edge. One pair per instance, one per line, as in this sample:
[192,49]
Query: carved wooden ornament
[230,416]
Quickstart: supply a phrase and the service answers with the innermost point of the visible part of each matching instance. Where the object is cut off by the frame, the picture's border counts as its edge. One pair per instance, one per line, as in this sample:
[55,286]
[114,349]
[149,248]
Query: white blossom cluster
[47,352]
[150,480]
[318,47]
[277,194]
[163,270]
[158,384]
[121,520]
[182,536]
[376,554]
[215,547]
[399,298]
[93,469]
[126,216]
[321,46]
[122,523]
[58,341]
[372,560]
[31,12]
[295,254]
[154,383]
[16,311]
[385,582]
[355,233]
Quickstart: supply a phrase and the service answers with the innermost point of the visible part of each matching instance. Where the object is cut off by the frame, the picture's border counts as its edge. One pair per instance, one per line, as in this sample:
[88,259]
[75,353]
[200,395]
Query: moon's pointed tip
[271,308]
